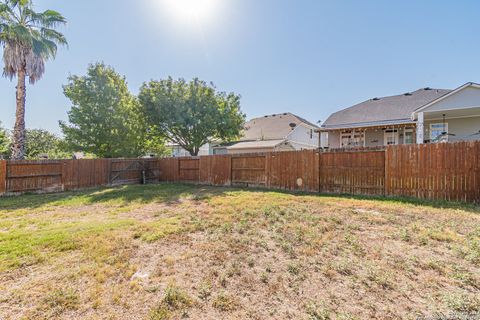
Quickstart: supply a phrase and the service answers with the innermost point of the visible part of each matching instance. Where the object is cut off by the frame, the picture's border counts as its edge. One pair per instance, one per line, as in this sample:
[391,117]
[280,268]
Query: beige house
[423,116]
[277,132]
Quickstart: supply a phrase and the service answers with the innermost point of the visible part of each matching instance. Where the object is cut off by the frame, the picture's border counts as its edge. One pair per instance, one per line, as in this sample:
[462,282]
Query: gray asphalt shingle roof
[386,109]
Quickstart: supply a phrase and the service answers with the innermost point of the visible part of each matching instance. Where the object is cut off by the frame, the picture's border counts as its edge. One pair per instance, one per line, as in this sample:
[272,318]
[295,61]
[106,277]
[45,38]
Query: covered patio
[369,136]
[448,125]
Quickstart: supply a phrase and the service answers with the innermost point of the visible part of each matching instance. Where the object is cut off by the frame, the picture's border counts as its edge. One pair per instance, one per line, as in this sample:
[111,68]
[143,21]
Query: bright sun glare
[198,10]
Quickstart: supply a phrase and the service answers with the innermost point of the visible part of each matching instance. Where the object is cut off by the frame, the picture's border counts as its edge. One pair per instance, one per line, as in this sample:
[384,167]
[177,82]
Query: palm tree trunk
[18,147]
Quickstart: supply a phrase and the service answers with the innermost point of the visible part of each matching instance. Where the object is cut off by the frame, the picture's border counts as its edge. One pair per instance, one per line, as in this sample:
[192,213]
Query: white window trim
[409,130]
[438,123]
[386,135]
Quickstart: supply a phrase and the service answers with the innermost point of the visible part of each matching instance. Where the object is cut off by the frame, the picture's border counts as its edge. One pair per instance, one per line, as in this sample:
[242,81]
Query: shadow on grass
[171,193]
[439,204]
[121,195]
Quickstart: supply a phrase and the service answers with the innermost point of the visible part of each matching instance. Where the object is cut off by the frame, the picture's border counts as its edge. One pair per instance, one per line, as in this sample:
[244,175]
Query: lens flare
[198,10]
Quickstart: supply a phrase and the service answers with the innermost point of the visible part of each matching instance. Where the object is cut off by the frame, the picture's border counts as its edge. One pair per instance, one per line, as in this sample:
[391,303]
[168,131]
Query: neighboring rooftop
[256,144]
[383,110]
[273,127]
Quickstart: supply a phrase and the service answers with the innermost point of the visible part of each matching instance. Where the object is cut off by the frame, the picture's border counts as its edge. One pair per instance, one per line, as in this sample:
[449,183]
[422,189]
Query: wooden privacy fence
[64,175]
[447,171]
[433,171]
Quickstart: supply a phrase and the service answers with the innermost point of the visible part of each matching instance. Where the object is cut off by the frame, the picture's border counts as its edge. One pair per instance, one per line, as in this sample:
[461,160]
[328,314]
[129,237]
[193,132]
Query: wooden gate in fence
[65,175]
[435,171]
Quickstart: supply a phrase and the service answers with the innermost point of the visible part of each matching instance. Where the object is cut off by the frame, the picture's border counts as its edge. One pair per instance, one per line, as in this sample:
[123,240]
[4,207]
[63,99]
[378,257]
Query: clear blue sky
[310,57]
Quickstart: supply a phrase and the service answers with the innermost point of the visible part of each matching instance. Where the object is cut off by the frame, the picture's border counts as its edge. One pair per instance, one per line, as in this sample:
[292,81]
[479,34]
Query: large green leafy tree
[29,39]
[191,114]
[42,142]
[105,119]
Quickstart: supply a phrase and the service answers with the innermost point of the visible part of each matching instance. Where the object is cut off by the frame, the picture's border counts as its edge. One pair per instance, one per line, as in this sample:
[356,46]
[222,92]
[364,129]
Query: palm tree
[29,39]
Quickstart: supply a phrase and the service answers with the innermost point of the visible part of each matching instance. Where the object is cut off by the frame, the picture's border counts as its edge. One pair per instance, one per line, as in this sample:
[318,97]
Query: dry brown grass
[175,251]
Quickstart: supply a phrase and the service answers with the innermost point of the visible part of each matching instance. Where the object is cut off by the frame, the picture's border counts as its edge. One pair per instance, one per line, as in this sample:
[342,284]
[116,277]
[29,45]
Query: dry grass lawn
[176,251]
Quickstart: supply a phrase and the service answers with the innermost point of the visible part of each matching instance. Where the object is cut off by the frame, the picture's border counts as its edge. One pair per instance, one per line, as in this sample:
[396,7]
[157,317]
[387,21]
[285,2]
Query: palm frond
[54,36]
[28,37]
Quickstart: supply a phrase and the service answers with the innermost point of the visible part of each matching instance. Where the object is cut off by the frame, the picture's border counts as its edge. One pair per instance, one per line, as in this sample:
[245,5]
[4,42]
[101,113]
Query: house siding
[463,128]
[303,137]
[467,98]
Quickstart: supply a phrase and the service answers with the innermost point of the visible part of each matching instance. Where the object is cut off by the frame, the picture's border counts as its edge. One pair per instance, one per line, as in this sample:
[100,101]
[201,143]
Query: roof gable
[466,96]
[273,127]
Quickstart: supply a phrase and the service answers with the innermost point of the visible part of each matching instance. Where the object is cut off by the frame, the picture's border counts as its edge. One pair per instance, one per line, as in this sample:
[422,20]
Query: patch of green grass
[462,302]
[317,311]
[160,228]
[26,247]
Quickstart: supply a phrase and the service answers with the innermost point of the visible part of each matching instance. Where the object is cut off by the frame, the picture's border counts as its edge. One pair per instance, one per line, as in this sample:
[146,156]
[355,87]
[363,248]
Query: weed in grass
[160,313]
[405,235]
[379,277]
[174,299]
[294,269]
[264,277]
[225,302]
[317,311]
[205,290]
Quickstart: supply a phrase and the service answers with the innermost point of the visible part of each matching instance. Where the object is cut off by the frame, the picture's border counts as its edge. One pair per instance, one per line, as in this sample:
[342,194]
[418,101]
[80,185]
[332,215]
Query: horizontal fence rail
[449,171]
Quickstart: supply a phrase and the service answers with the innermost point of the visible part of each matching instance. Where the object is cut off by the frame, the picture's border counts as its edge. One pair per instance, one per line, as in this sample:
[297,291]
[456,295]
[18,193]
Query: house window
[437,131]
[408,137]
[352,139]
[311,133]
[391,137]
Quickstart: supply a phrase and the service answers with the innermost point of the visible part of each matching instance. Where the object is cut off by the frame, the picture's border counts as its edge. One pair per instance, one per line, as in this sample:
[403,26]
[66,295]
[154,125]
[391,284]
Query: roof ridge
[301,119]
[385,108]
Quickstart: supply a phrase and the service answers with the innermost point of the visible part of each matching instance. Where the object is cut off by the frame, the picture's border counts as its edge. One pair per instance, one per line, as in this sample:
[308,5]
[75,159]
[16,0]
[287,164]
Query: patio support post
[421,128]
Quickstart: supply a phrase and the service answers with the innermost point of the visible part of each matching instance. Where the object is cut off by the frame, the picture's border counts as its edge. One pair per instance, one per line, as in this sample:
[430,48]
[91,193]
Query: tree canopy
[105,118]
[29,39]
[191,114]
[40,142]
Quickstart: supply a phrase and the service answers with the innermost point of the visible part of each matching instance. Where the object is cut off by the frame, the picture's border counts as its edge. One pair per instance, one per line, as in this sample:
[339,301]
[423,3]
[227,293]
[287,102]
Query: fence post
[231,170]
[386,181]
[319,164]
[3,176]
[62,177]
